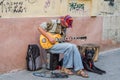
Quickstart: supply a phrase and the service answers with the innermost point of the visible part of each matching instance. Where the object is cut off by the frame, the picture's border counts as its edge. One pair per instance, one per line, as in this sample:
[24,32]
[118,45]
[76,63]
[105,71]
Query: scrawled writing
[12,7]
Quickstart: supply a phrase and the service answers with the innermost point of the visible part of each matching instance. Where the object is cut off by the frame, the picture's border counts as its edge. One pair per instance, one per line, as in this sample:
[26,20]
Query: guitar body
[45,43]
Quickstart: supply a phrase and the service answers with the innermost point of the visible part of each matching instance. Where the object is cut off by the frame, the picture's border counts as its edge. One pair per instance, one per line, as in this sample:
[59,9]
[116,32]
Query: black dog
[88,62]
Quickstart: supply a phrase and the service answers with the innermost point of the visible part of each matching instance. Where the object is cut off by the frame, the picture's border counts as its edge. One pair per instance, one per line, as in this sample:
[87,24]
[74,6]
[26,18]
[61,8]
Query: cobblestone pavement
[108,61]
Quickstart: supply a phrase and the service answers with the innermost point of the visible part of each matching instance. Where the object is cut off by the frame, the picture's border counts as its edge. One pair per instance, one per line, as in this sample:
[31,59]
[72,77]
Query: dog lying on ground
[88,62]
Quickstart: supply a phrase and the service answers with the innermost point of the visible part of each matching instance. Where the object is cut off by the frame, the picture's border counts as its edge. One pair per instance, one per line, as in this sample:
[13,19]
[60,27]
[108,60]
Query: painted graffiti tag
[46,5]
[49,4]
[13,7]
[76,6]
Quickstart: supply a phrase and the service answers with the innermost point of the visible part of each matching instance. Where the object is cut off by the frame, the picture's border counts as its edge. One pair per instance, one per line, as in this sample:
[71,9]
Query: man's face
[64,25]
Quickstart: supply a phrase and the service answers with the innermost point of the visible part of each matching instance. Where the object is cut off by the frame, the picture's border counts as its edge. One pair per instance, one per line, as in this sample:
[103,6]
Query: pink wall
[87,26]
[17,33]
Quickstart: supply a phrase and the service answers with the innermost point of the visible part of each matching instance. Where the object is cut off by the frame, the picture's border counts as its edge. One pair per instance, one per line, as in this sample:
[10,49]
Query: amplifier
[52,61]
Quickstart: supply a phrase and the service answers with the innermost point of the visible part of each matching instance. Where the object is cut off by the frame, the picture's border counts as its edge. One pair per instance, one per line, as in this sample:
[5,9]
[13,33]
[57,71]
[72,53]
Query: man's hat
[67,20]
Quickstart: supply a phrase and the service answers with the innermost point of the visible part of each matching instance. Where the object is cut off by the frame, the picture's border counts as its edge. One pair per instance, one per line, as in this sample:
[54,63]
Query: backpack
[33,58]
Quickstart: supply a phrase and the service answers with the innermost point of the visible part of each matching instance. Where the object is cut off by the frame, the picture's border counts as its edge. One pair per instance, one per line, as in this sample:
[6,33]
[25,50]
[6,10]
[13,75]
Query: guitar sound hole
[44,40]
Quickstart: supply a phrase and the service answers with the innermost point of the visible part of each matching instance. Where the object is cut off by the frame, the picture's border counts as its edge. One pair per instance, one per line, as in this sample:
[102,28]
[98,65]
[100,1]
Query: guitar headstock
[83,37]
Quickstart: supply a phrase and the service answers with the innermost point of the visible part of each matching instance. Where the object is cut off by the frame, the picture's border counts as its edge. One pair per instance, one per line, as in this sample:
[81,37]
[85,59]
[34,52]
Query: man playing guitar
[72,57]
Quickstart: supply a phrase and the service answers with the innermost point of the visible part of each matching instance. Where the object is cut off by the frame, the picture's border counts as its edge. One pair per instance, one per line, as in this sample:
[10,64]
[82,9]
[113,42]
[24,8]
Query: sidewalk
[108,61]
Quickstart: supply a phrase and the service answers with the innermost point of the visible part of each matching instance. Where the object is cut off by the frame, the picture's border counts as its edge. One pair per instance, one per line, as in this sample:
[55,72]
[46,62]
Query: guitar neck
[71,38]
[83,37]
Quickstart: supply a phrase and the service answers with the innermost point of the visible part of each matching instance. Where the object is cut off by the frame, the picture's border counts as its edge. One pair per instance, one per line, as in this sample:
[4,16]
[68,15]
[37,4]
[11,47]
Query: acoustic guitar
[46,44]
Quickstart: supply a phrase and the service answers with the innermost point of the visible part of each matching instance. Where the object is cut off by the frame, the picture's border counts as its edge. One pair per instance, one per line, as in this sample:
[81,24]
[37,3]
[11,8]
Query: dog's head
[89,53]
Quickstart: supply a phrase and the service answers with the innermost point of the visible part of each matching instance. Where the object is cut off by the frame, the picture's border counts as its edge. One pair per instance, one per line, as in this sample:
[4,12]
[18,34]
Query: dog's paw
[100,73]
[104,72]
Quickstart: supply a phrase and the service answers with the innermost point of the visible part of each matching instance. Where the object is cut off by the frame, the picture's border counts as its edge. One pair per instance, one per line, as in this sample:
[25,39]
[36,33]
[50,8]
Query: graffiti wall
[40,8]
[53,8]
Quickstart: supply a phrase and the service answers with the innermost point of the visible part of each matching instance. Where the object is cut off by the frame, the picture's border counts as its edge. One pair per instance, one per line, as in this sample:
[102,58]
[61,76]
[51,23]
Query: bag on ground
[33,57]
